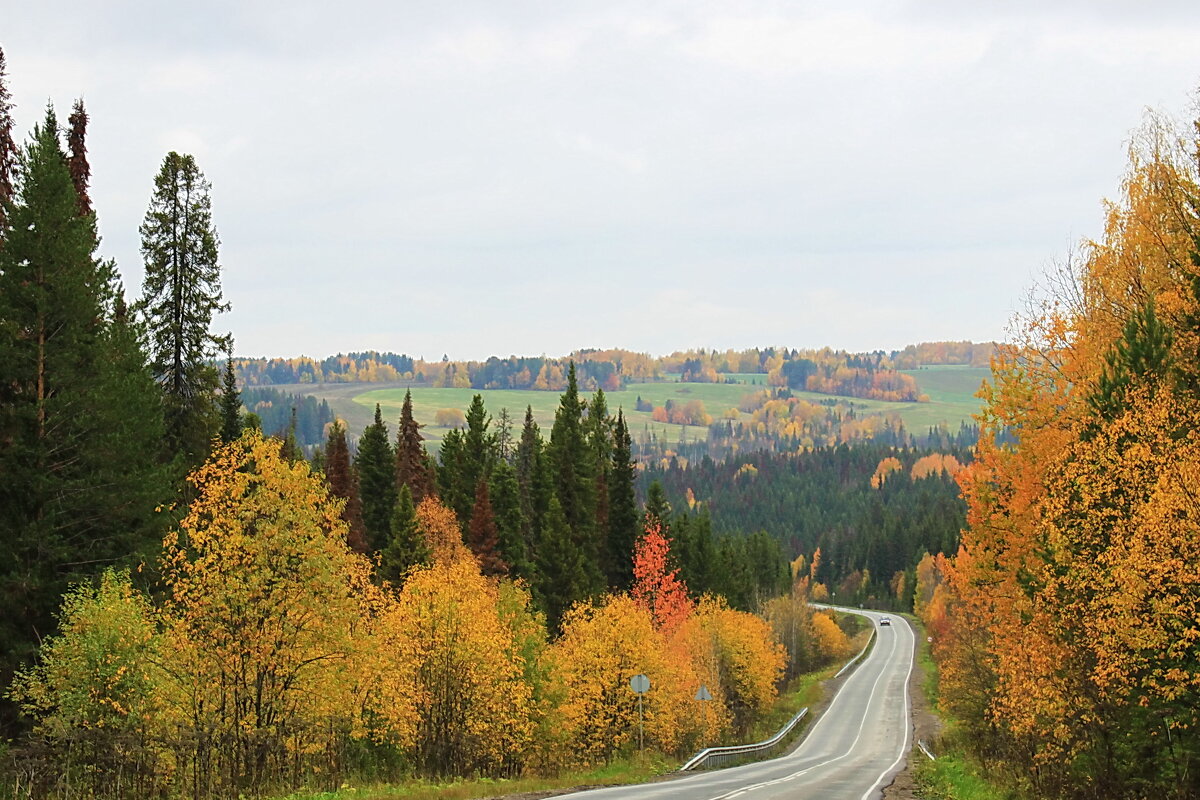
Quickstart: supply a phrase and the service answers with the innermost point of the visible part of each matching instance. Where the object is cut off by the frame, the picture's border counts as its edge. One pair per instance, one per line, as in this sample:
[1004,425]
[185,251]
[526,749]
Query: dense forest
[1066,625]
[872,510]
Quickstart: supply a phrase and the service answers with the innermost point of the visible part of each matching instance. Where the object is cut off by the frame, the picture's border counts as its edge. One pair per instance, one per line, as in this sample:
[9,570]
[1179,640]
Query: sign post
[640,685]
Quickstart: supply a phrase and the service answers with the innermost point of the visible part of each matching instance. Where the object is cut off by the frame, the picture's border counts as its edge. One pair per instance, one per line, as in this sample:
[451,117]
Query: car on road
[885,621]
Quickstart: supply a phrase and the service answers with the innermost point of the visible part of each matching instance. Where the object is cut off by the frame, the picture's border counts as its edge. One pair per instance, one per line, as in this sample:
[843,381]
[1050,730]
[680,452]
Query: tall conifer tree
[343,483]
[571,467]
[413,468]
[482,536]
[532,480]
[562,572]
[505,494]
[181,293]
[8,149]
[407,547]
[376,481]
[479,447]
[623,527]
[231,400]
[81,171]
[599,429]
[451,476]
[78,418]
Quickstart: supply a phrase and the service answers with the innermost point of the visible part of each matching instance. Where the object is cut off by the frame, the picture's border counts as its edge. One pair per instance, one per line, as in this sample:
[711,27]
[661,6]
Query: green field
[717,397]
[951,391]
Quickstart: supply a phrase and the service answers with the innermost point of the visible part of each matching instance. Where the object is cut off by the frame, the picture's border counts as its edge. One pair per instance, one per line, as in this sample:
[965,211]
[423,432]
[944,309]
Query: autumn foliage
[1066,627]
[274,652]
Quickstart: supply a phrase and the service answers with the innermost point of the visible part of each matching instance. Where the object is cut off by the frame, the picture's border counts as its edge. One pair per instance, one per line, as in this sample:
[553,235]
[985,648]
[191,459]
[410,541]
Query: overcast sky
[490,178]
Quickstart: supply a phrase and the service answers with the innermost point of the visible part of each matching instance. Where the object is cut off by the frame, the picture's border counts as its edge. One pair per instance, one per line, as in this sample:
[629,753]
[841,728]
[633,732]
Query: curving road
[851,753]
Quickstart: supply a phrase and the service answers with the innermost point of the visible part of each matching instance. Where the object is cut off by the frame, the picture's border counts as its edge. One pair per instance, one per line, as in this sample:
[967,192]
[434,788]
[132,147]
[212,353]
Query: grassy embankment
[951,391]
[953,775]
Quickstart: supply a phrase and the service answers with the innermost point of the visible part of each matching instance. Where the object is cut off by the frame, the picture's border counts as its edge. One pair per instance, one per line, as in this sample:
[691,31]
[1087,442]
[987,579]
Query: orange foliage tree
[656,588]
[1065,628]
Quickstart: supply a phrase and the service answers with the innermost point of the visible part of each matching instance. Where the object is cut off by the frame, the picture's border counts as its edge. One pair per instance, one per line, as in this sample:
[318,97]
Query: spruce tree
[562,572]
[451,476]
[505,494]
[289,448]
[482,536]
[180,294]
[78,420]
[344,484]
[231,400]
[412,462]
[8,149]
[376,481]
[571,467]
[407,547]
[479,447]
[623,522]
[658,510]
[599,430]
[533,481]
[81,171]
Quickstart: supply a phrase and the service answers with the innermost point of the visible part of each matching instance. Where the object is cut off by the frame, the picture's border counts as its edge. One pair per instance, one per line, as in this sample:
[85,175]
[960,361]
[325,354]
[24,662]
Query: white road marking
[858,736]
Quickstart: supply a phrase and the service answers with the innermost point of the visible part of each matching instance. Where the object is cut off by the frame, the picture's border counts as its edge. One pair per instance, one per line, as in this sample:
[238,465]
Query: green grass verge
[951,777]
[616,773]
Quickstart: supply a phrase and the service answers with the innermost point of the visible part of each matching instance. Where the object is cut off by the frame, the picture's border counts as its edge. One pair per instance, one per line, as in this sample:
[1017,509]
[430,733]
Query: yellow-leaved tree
[266,612]
[470,708]
[94,690]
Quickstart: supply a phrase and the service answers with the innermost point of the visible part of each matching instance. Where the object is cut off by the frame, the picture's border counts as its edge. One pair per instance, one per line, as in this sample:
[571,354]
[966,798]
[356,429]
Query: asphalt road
[850,753]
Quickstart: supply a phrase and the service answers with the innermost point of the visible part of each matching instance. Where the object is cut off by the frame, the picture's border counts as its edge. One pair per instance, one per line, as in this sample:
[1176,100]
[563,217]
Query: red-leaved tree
[654,586]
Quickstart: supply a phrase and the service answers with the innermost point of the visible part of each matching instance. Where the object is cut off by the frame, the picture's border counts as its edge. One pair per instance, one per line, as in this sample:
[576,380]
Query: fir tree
[451,476]
[407,547]
[570,464]
[533,482]
[81,172]
[599,430]
[288,447]
[482,536]
[77,418]
[479,446]
[231,400]
[376,481]
[623,527]
[412,462]
[343,484]
[563,575]
[8,150]
[657,508]
[181,293]
[505,494]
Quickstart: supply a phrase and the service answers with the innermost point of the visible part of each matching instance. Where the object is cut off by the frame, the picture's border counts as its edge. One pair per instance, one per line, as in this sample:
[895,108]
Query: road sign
[640,684]
[703,693]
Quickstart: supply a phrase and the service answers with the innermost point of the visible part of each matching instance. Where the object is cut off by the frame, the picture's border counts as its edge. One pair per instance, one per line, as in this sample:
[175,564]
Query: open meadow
[951,390]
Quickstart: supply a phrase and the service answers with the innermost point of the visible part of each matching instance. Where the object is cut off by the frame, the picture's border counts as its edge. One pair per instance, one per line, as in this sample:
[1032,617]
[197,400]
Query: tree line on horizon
[874,376]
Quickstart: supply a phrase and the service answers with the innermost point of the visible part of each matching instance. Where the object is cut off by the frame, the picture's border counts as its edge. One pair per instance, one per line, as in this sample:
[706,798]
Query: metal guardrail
[925,749]
[716,756]
[858,657]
